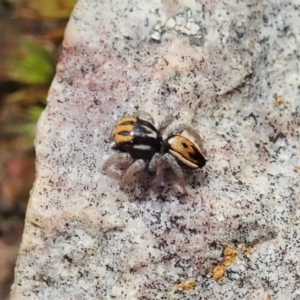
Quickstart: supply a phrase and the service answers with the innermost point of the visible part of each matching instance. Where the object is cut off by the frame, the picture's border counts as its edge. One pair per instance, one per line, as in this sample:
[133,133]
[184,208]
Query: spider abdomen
[184,150]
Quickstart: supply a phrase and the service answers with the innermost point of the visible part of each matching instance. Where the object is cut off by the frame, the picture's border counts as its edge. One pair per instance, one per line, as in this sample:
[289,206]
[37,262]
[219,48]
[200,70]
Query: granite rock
[228,68]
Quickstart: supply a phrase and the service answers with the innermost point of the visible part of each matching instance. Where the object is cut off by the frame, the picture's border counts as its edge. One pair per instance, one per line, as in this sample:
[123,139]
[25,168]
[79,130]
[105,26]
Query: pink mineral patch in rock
[213,65]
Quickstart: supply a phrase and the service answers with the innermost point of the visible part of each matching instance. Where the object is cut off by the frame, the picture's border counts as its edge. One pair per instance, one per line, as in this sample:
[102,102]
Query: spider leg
[123,158]
[171,161]
[145,116]
[190,130]
[153,164]
[136,167]
[166,122]
[160,171]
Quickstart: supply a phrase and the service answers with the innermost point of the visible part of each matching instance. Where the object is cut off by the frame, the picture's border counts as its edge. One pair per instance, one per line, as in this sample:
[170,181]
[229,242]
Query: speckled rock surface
[231,69]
